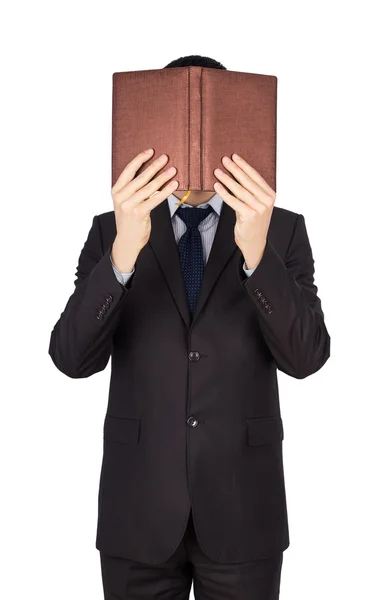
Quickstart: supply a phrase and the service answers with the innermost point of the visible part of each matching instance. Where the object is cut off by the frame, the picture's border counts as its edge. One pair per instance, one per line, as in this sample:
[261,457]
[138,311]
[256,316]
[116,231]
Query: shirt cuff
[248,271]
[122,277]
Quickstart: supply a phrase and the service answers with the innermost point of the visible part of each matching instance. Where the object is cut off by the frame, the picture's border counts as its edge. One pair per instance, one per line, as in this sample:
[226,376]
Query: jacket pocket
[264,430]
[124,430]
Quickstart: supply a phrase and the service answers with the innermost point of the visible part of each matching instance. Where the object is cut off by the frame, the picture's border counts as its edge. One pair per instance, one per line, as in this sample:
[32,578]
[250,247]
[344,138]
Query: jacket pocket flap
[264,430]
[124,430]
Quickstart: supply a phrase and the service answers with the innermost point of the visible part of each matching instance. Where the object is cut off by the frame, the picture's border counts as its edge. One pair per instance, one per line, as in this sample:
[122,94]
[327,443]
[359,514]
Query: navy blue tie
[191,251]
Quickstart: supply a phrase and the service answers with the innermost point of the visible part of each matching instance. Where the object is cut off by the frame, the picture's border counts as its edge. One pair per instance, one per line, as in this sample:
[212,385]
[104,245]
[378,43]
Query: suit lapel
[222,249]
[163,243]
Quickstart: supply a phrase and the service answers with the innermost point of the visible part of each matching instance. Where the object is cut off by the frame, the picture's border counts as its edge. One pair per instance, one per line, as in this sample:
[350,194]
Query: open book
[195,115]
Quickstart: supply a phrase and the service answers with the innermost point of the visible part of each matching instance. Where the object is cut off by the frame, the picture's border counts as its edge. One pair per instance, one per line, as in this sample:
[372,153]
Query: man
[192,484]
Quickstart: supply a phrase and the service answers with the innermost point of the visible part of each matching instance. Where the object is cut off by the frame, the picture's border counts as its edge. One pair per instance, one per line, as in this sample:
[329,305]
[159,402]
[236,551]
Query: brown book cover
[195,115]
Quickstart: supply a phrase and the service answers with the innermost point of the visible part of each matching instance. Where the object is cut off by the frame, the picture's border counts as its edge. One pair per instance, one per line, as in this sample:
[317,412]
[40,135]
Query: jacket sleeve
[288,307]
[81,340]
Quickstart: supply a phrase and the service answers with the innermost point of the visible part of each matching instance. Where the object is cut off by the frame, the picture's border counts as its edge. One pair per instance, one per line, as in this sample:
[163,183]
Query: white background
[57,65]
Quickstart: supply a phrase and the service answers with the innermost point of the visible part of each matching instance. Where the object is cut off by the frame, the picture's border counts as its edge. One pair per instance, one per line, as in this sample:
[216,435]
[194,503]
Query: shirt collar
[216,202]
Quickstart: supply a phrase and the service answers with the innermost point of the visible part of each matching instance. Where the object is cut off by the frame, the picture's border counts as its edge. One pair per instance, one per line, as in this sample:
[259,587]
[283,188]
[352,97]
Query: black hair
[195,60]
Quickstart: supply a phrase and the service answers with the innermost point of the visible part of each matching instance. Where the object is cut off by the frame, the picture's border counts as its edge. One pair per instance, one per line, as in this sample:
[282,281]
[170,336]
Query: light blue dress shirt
[207,230]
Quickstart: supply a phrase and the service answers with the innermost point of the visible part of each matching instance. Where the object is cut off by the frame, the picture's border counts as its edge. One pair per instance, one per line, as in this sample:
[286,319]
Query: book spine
[195,150]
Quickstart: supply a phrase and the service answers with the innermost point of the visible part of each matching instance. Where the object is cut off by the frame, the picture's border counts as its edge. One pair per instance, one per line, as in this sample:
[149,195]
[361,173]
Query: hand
[253,202]
[133,205]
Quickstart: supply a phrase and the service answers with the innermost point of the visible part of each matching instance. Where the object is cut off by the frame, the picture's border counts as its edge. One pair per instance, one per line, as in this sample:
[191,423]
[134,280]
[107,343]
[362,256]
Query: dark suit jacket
[220,369]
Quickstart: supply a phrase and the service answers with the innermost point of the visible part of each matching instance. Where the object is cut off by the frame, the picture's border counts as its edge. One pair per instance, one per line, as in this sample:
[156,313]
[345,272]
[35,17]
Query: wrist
[252,260]
[123,257]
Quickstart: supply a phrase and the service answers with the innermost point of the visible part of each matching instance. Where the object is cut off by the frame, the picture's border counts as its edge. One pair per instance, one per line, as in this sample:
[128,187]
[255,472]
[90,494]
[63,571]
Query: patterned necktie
[191,251]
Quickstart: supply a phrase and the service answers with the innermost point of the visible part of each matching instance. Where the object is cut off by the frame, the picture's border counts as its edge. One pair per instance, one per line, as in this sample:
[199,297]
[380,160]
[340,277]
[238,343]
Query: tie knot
[193,216]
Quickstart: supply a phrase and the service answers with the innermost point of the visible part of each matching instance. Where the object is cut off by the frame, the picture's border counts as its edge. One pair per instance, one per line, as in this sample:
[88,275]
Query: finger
[146,191]
[253,174]
[256,190]
[238,191]
[239,206]
[141,180]
[159,196]
[130,170]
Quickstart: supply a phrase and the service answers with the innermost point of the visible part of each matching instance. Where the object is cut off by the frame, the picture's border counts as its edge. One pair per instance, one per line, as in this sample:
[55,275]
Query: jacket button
[99,316]
[106,304]
[109,298]
[194,356]
[192,421]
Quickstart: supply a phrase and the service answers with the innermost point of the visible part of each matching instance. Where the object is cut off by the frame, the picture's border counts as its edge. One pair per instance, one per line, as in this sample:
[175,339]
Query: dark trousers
[125,579]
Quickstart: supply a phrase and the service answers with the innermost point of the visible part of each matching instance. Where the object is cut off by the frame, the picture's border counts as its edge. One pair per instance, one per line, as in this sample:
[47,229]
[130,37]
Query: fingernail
[149,151]
[236,155]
